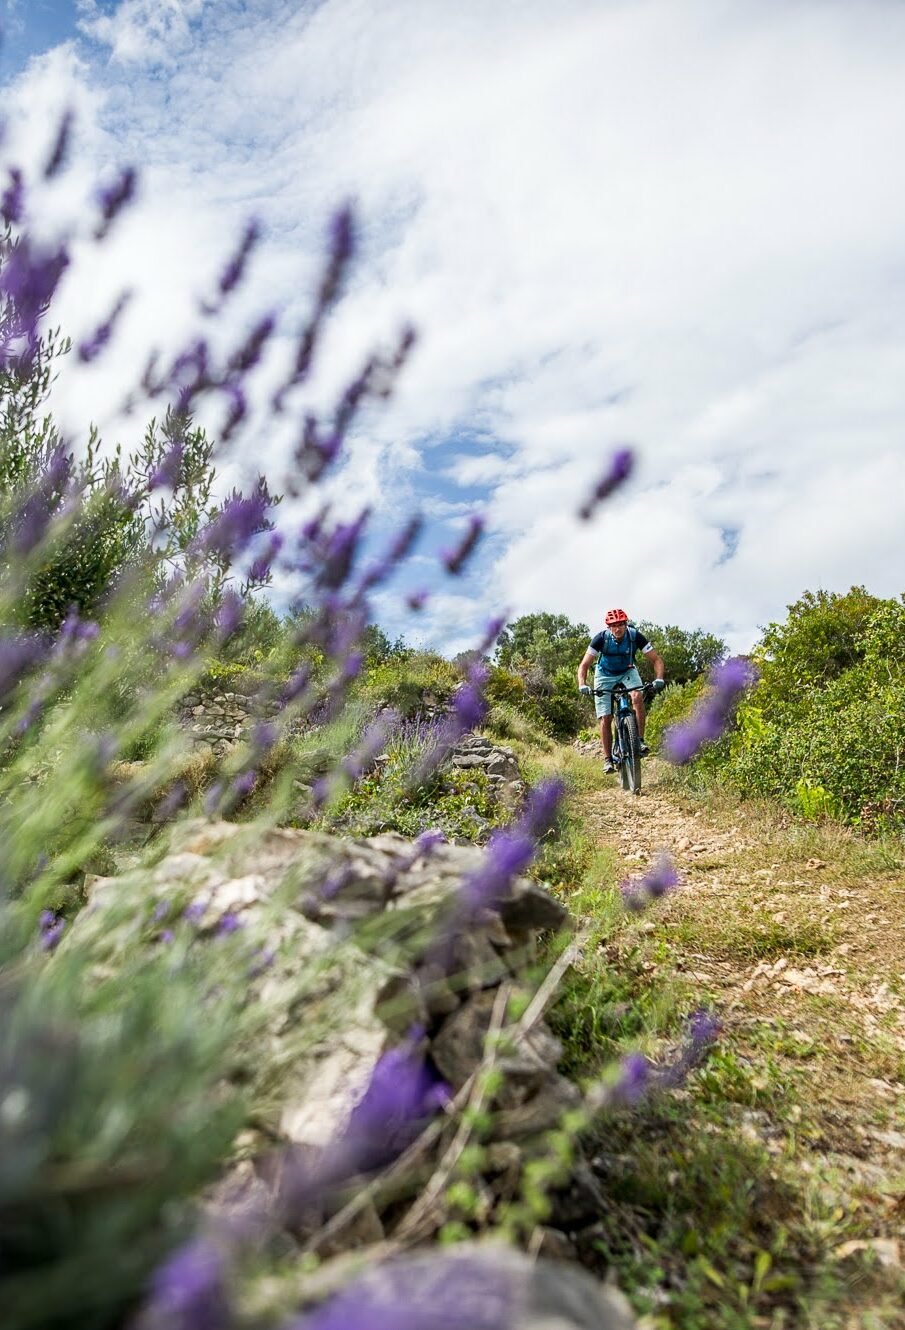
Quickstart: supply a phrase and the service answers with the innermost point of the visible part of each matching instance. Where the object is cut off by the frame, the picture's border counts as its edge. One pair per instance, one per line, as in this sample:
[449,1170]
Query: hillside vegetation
[146,1038]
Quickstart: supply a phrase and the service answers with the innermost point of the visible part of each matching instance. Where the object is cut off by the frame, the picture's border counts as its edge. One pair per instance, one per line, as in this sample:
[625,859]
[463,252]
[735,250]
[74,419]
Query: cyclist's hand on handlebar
[658,685]
[585,689]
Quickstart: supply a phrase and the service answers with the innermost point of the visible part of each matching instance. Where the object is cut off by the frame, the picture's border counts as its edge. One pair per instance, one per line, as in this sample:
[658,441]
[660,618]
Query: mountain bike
[626,737]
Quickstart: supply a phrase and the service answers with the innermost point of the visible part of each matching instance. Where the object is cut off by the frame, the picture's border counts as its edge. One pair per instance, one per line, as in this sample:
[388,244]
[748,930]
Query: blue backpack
[617,657]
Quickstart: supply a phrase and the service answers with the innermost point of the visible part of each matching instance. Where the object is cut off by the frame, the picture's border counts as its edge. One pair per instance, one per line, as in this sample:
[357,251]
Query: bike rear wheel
[630,743]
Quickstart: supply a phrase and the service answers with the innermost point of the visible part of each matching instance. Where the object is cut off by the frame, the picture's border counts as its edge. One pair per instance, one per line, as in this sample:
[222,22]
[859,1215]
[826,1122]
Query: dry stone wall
[216,720]
[309,894]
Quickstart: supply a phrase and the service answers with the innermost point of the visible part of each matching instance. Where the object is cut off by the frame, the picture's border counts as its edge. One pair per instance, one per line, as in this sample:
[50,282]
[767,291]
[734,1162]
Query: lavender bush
[125,580]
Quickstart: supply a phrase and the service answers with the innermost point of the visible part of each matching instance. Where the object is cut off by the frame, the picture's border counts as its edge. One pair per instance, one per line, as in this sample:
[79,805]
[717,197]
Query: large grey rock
[481,1286]
[459,1046]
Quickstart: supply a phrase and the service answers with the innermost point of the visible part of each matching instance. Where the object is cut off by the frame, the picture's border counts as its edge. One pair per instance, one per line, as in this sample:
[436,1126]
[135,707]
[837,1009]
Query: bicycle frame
[621,707]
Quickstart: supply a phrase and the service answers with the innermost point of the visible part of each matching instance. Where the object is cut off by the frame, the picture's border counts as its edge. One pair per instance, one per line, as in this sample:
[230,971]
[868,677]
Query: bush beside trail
[823,730]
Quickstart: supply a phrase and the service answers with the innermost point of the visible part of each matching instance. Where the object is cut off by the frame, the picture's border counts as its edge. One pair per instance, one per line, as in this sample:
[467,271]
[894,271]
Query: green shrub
[461,804]
[134,1114]
[412,683]
[824,635]
[506,686]
[507,721]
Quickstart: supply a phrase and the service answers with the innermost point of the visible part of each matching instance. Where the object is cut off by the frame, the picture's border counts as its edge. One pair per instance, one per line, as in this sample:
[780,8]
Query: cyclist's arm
[587,661]
[657,661]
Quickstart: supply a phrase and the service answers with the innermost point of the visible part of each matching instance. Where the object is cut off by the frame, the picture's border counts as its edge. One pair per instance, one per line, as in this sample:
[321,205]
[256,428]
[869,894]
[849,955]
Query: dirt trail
[802,951]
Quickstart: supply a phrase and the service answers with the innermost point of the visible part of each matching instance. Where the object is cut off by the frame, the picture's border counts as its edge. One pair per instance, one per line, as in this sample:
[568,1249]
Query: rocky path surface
[797,937]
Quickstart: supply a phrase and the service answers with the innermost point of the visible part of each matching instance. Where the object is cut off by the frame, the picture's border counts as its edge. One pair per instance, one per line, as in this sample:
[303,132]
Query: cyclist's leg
[606,736]
[602,705]
[632,679]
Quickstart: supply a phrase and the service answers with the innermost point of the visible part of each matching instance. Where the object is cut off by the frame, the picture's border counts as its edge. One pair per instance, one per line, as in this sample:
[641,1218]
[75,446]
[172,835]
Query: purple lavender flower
[703,1028]
[249,353]
[171,802]
[262,960]
[634,1079]
[295,684]
[508,854]
[398,549]
[374,380]
[638,1076]
[617,473]
[28,279]
[637,893]
[229,614]
[469,707]
[259,571]
[92,347]
[229,923]
[710,718]
[542,807]
[244,783]
[166,936]
[188,1292]
[351,668]
[195,912]
[340,551]
[236,525]
[403,1091]
[12,205]
[336,882]
[238,410]
[51,928]
[169,472]
[190,372]
[113,199]
[429,840]
[59,153]
[341,247]
[314,452]
[491,633]
[454,560]
[187,618]
[372,743]
[235,269]
[213,797]
[416,600]
[263,737]
[313,527]
[17,656]
[468,711]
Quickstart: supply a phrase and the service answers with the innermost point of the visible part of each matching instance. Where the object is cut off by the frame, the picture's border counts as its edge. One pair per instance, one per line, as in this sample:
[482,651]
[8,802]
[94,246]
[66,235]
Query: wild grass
[721,1212]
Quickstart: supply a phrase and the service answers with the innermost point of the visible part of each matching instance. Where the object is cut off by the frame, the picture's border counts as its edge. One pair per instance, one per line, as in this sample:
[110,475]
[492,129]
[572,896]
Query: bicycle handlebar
[602,692]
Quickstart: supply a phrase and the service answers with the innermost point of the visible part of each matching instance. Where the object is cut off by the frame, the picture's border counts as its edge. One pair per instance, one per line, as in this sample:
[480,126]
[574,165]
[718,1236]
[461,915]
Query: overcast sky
[677,226]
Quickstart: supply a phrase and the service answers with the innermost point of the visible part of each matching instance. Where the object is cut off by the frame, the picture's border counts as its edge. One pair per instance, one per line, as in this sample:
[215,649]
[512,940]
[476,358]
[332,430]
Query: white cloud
[680,226]
[143,31]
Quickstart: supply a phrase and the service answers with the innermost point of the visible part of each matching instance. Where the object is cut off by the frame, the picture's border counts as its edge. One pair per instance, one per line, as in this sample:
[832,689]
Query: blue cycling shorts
[631,678]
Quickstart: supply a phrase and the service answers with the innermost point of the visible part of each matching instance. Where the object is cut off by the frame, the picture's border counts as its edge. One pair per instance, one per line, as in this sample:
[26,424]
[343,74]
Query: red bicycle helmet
[615,616]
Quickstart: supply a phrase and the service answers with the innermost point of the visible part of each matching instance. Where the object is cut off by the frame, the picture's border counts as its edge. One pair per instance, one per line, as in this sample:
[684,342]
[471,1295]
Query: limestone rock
[485,1286]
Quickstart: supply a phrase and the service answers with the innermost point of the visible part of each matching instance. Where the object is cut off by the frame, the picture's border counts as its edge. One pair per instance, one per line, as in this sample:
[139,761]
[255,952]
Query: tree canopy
[687,653]
[551,641]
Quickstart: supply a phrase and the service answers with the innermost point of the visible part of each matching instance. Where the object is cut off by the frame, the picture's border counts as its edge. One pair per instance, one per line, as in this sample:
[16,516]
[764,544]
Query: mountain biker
[614,652]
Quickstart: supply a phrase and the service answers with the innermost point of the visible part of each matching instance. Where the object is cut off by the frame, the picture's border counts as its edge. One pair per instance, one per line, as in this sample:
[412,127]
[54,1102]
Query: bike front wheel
[630,743]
